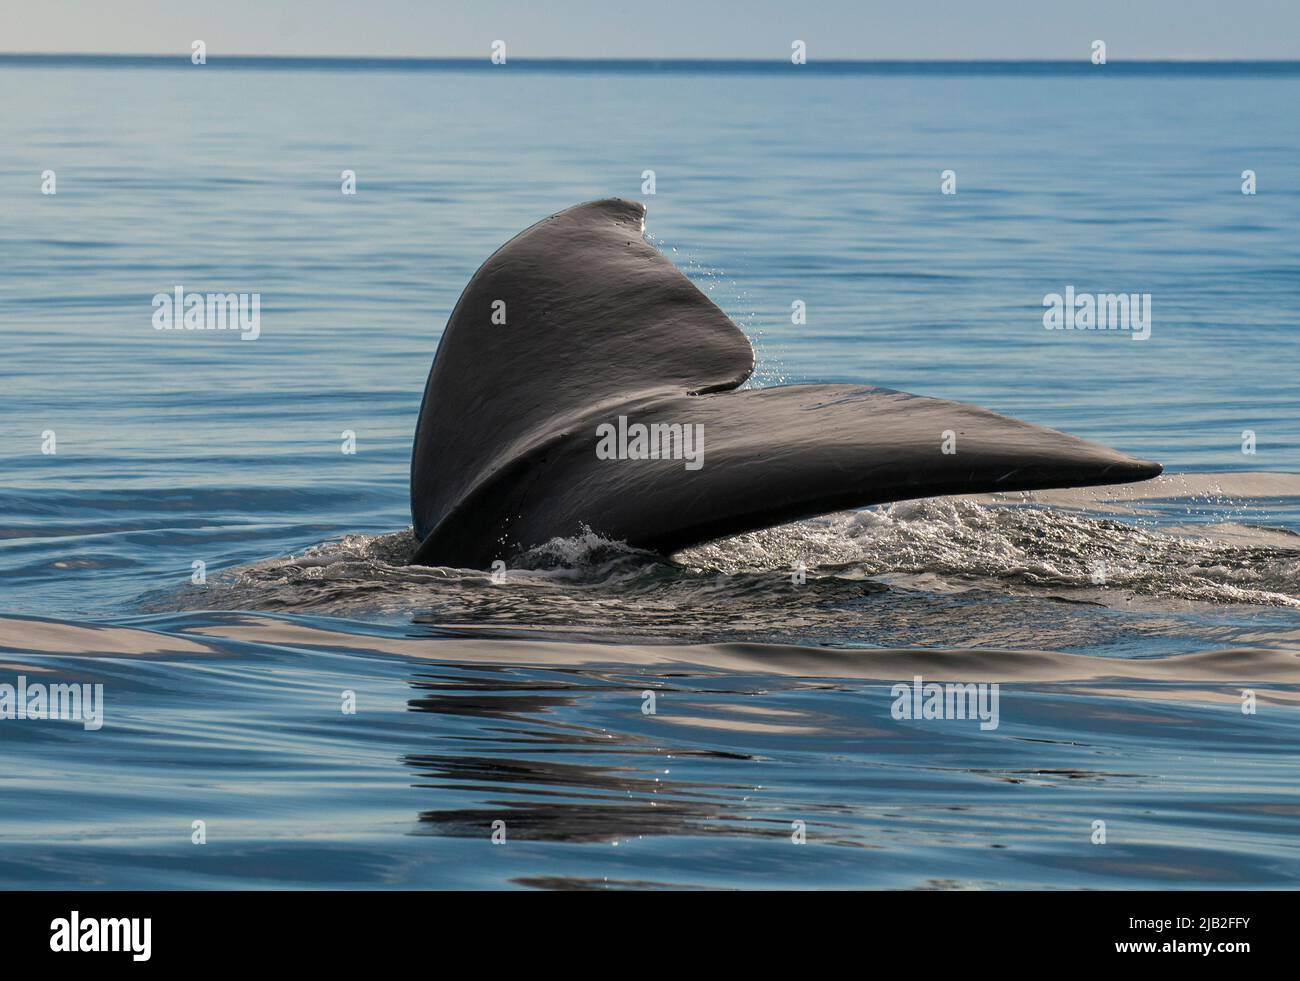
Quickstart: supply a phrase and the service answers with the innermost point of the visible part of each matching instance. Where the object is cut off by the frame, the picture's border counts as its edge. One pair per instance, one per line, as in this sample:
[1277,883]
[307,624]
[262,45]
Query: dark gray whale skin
[599,324]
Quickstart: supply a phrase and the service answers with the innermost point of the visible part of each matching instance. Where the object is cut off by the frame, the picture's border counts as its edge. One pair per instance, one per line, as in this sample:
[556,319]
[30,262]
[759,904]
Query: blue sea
[286,703]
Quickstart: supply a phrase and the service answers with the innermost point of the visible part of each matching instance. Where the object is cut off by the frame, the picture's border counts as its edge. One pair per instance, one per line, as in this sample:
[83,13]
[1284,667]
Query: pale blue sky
[976,29]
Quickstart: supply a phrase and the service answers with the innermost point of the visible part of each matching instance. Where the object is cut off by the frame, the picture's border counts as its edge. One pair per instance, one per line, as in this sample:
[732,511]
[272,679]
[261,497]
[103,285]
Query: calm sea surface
[1122,628]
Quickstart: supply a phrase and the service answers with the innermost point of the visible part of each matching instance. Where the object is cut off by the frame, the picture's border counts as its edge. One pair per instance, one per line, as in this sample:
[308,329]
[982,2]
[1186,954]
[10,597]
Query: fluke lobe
[578,321]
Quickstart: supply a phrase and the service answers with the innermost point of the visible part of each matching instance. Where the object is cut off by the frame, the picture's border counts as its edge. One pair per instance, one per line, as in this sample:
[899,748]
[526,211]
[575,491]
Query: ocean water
[1125,627]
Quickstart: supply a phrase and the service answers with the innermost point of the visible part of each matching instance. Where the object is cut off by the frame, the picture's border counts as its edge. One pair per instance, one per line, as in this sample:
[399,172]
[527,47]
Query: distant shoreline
[1035,67]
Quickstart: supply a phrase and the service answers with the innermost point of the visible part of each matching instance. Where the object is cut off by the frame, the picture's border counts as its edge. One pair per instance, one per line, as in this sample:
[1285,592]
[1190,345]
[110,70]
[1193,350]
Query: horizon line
[828,67]
[652,58]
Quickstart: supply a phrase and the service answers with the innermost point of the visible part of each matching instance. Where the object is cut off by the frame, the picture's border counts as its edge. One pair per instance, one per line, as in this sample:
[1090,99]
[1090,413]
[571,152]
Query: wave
[1062,570]
[232,634]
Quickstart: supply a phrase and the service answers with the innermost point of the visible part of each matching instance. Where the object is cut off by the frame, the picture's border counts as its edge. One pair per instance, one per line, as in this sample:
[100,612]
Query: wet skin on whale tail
[599,325]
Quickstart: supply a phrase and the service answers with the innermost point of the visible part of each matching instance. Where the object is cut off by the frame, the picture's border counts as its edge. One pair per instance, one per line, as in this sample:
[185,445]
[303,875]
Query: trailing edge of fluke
[577,329]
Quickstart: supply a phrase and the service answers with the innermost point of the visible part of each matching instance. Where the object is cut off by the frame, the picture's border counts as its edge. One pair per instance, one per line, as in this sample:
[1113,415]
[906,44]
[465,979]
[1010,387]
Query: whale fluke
[577,350]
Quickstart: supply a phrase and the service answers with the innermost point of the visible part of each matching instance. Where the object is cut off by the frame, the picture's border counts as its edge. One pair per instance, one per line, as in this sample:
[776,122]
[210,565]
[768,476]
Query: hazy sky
[663,28]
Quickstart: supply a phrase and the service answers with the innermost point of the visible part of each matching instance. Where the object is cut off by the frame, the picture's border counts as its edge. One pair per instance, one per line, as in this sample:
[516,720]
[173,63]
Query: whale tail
[583,380]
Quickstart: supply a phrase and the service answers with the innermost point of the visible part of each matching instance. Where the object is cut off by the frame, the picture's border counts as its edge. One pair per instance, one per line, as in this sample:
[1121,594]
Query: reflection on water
[559,799]
[760,765]
[698,769]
